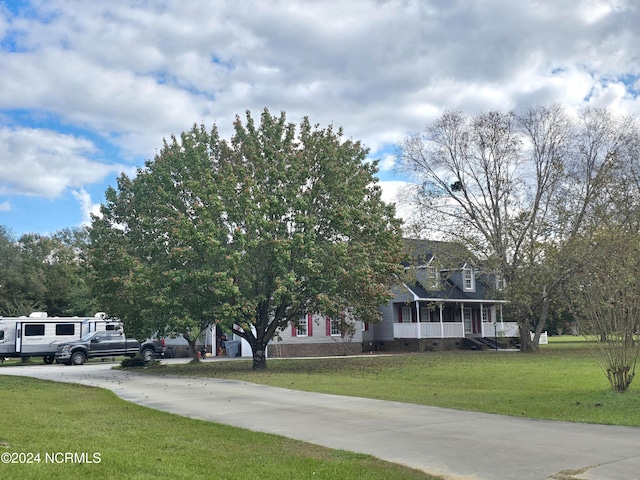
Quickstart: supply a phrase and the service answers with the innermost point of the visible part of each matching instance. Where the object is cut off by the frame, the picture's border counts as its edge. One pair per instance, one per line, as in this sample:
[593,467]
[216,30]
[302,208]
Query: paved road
[455,444]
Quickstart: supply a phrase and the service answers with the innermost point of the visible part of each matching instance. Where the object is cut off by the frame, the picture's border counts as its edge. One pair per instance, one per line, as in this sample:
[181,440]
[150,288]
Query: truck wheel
[78,358]
[148,355]
[48,359]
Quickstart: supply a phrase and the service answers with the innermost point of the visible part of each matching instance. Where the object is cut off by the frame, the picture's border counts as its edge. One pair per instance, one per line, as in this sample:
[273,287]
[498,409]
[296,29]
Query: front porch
[449,319]
[453,330]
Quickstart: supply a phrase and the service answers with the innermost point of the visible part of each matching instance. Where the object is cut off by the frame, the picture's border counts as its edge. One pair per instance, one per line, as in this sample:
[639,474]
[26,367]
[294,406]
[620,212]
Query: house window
[433,278]
[499,282]
[486,315]
[34,330]
[336,327]
[406,314]
[468,279]
[65,329]
[301,329]
[425,314]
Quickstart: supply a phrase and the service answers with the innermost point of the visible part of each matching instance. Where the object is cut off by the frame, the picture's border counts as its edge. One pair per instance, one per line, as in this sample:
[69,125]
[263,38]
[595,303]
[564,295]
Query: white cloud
[142,71]
[45,163]
[5,207]
[393,192]
[87,206]
[130,73]
[387,162]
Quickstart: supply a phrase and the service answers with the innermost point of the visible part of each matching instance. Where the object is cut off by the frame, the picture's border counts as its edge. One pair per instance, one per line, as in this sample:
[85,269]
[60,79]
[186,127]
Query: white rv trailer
[39,335]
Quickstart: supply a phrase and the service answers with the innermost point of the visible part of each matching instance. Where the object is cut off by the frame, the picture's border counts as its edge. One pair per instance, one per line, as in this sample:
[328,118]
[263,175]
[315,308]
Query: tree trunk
[194,351]
[259,356]
[542,321]
[526,344]
[533,345]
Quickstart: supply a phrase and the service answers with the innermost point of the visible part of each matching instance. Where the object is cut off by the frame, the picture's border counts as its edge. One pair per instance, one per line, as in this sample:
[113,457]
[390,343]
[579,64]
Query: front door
[18,337]
[467,320]
[477,322]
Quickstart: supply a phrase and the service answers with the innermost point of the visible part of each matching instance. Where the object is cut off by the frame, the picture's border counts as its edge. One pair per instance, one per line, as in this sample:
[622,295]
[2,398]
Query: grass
[135,442]
[563,382]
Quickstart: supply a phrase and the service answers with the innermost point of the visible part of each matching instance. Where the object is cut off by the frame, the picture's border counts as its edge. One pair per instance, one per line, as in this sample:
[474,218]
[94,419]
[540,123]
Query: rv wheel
[78,358]
[48,359]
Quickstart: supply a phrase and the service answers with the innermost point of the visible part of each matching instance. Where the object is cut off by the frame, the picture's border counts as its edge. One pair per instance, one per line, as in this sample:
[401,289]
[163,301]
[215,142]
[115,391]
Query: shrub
[135,362]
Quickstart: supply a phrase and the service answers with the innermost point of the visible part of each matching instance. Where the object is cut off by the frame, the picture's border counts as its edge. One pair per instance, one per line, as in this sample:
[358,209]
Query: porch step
[483,343]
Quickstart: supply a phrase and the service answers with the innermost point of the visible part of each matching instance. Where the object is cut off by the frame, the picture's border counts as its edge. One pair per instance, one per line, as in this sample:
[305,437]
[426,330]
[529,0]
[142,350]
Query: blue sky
[90,89]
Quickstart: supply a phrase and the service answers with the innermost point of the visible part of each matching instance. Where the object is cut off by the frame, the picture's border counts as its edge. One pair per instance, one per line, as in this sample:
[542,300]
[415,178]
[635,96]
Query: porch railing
[449,330]
[428,330]
[503,329]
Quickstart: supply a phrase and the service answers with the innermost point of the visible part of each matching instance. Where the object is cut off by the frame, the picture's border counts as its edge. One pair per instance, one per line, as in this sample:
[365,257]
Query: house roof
[452,290]
[448,254]
[450,259]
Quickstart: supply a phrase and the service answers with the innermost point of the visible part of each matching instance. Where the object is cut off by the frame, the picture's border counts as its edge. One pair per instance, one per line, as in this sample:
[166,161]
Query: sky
[89,89]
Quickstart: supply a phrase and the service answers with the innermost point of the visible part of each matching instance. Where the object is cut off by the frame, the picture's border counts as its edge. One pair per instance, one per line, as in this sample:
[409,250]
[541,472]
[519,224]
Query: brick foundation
[314,349]
[404,345]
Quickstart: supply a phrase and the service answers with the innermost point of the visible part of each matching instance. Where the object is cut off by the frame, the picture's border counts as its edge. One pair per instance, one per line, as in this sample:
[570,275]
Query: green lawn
[563,382]
[126,441]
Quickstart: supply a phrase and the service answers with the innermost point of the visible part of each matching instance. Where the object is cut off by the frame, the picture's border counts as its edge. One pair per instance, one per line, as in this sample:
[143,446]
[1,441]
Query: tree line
[45,273]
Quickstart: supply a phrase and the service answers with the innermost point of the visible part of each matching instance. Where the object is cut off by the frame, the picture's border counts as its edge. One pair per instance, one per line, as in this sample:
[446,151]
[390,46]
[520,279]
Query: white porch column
[481,320]
[441,320]
[464,330]
[419,320]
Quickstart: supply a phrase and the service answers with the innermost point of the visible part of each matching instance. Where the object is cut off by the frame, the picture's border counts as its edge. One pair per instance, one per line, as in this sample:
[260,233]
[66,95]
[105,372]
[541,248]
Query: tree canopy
[250,233]
[44,273]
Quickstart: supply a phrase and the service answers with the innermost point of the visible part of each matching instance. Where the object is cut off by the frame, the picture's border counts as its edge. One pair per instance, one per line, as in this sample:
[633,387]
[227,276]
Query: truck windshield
[88,336]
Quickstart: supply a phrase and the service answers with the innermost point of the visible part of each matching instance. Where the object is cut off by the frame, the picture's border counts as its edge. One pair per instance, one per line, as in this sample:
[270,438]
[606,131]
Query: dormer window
[468,279]
[433,278]
[499,282]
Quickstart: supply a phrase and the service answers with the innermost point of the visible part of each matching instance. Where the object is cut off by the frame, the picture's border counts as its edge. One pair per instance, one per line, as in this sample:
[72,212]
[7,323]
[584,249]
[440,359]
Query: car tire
[48,359]
[148,355]
[78,358]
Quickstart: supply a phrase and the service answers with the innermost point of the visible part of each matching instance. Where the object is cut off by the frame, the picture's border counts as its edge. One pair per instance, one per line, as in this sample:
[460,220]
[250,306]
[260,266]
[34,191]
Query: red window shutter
[294,330]
[366,326]
[309,324]
[328,327]
[400,314]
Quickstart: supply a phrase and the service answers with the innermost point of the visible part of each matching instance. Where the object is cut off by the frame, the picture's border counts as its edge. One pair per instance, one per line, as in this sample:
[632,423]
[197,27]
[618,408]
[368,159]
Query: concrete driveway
[451,443]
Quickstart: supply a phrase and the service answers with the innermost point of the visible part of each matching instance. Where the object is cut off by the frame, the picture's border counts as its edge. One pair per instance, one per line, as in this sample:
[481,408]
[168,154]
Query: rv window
[1,334]
[111,326]
[65,329]
[34,330]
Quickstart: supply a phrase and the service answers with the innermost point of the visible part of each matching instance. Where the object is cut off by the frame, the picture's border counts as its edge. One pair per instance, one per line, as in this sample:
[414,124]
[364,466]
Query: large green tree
[250,233]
